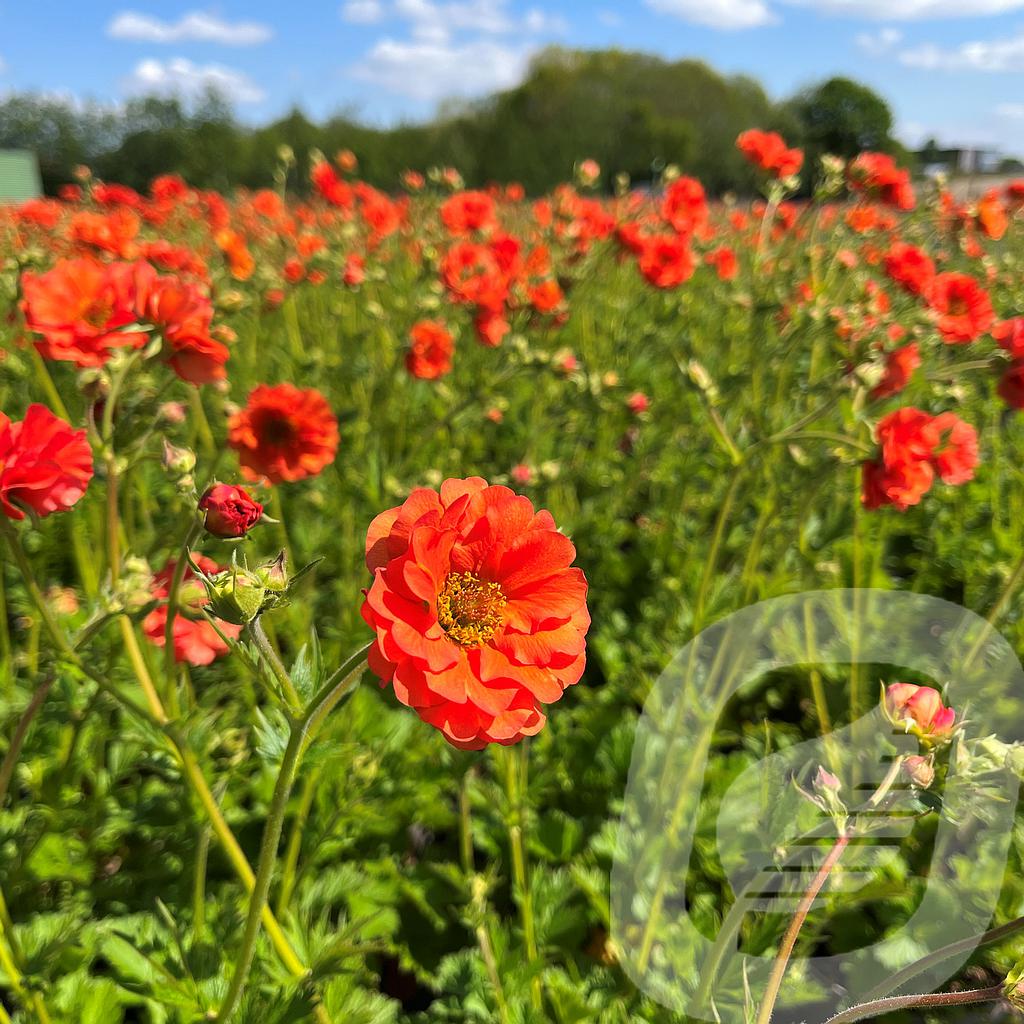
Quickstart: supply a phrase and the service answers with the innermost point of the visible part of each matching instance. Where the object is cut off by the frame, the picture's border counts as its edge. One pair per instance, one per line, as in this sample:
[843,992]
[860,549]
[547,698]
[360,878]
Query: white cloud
[1011,111]
[722,14]
[362,12]
[426,70]
[910,10]
[179,76]
[609,18]
[877,43]
[192,27]
[996,55]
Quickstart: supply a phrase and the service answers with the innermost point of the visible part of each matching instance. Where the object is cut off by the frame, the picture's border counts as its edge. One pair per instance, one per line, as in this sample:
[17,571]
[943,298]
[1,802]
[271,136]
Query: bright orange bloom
[478,617]
[666,260]
[284,433]
[900,365]
[685,206]
[466,212]
[910,267]
[80,307]
[768,151]
[184,315]
[432,347]
[964,309]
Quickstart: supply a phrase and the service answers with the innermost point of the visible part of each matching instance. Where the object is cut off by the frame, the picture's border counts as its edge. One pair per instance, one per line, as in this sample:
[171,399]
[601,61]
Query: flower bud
[179,461]
[229,511]
[274,575]
[919,710]
[824,781]
[236,595]
[919,770]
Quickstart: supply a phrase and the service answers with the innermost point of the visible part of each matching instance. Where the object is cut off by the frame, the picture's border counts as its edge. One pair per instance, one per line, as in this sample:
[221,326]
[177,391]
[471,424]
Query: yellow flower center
[468,609]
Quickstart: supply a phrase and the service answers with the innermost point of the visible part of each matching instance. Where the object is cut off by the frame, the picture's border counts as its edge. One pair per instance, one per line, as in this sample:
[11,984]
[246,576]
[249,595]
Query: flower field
[345,538]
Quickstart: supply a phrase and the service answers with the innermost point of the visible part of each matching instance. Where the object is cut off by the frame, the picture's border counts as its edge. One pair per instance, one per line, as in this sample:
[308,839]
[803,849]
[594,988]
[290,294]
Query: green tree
[843,117]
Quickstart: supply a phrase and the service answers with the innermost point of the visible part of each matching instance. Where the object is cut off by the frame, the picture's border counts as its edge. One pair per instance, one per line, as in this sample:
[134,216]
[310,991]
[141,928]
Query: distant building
[935,161]
[19,176]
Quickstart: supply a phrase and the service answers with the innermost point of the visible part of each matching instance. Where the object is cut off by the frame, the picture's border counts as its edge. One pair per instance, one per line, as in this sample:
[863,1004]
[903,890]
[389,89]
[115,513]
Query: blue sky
[946,72]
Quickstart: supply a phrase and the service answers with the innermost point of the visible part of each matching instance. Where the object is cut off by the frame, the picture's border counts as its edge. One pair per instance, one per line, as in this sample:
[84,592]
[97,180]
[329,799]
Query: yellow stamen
[468,609]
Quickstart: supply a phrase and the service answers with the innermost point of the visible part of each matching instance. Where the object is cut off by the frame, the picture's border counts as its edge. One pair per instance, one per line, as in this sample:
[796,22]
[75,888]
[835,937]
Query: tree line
[632,112]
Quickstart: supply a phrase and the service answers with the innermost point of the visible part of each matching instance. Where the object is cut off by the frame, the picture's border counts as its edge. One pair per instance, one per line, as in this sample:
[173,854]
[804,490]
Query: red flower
[479,619]
[80,307]
[914,447]
[430,354]
[901,485]
[491,328]
[638,403]
[724,261]
[666,260]
[195,639]
[900,365]
[471,274]
[466,212]
[910,267]
[956,454]
[1010,336]
[45,465]
[184,315]
[768,151]
[685,206]
[963,307]
[1011,385]
[230,511]
[876,175]
[284,433]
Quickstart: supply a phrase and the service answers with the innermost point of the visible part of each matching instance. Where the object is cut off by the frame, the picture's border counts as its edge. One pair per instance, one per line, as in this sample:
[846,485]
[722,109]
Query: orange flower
[479,618]
[183,314]
[900,365]
[80,307]
[963,307]
[284,433]
[430,355]
[466,212]
[768,151]
[666,260]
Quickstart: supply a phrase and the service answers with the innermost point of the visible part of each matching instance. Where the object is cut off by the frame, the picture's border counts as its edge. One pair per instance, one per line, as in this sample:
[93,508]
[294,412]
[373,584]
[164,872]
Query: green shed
[19,176]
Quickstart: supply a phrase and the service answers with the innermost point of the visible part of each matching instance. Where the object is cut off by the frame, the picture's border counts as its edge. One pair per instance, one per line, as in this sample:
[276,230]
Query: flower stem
[276,666]
[186,758]
[785,950]
[967,945]
[793,931]
[20,732]
[303,732]
[170,662]
[514,785]
[930,999]
[264,872]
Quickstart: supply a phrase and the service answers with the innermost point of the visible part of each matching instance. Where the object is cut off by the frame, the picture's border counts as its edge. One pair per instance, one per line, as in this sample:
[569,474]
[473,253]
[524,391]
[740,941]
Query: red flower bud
[230,512]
